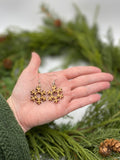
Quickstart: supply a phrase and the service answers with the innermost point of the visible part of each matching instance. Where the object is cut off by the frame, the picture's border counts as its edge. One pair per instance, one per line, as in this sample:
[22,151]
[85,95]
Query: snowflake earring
[38,95]
[55,94]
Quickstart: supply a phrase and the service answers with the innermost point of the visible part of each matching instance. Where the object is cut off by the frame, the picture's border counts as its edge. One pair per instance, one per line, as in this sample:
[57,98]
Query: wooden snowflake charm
[38,95]
[55,94]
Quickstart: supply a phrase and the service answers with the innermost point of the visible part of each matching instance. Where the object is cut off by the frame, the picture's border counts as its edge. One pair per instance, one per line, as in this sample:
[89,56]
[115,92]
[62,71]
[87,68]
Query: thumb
[34,63]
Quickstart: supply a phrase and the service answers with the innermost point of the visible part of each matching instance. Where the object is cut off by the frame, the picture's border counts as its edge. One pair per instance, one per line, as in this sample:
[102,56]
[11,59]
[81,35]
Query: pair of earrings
[54,94]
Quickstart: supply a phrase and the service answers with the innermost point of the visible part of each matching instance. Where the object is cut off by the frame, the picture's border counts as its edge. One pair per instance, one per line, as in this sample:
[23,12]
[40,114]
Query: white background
[26,15]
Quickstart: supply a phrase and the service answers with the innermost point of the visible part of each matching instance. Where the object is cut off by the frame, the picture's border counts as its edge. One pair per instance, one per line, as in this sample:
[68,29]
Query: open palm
[79,85]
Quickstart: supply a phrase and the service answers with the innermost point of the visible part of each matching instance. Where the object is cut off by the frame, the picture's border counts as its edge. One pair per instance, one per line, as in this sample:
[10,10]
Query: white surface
[26,15]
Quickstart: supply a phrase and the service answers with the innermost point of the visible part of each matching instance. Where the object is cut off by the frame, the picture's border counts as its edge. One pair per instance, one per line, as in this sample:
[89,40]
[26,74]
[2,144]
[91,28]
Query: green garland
[76,41]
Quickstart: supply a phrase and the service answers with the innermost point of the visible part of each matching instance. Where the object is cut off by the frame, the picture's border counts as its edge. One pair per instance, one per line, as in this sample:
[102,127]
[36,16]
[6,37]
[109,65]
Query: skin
[80,87]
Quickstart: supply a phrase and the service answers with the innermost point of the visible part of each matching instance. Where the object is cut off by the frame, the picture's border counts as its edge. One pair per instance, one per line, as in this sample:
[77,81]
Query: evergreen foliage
[77,41]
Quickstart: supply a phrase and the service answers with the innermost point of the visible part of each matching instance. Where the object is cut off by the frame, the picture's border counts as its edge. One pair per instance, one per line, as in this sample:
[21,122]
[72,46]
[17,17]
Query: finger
[34,63]
[89,89]
[80,102]
[89,79]
[73,72]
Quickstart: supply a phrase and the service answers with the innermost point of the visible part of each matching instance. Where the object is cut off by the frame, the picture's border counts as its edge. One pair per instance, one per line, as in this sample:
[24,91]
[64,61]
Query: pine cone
[2,38]
[57,23]
[7,63]
[109,145]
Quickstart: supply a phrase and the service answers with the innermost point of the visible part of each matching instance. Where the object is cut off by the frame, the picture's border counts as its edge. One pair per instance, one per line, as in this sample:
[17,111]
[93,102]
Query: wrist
[12,106]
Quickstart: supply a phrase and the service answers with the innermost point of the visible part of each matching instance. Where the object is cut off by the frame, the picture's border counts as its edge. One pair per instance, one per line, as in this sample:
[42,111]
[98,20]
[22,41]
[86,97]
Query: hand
[79,84]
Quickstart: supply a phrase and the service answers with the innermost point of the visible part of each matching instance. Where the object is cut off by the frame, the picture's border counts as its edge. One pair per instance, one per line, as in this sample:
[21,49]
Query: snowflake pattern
[38,95]
[54,95]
